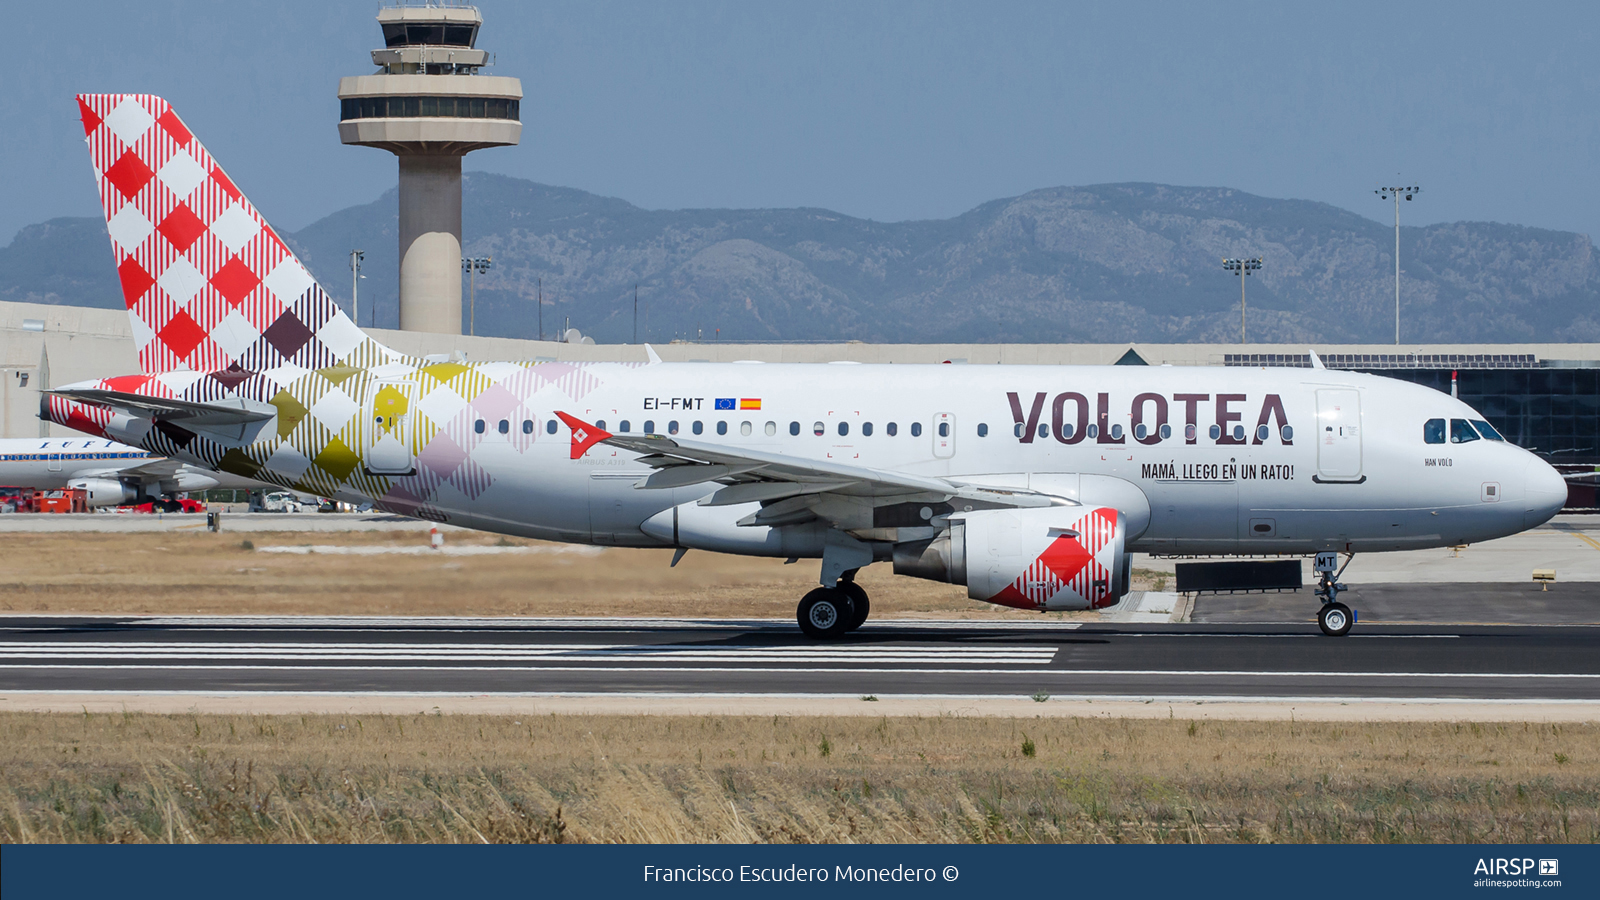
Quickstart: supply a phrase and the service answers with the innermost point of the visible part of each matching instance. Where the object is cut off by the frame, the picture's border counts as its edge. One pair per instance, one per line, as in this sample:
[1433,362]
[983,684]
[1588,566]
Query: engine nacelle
[100,492]
[1050,558]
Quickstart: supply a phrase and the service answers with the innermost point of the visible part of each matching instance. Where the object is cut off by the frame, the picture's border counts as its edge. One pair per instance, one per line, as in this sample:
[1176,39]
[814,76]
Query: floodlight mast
[472,265]
[1384,193]
[1243,267]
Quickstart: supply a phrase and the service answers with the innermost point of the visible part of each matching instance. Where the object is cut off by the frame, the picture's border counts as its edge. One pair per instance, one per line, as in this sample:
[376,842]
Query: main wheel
[861,607]
[1335,619]
[825,613]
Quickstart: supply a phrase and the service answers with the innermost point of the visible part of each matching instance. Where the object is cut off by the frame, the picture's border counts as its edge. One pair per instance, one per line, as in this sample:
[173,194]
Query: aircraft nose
[1544,492]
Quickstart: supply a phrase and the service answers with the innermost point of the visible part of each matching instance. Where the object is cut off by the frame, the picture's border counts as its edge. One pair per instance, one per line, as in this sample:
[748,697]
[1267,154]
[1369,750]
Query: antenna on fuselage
[651,352]
[1316,361]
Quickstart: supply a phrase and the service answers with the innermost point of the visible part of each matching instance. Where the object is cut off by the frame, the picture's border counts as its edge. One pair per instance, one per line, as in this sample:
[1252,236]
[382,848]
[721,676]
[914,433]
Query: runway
[74,654]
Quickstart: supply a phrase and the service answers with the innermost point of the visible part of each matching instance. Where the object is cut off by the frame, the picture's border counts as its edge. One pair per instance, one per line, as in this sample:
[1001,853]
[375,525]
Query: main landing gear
[828,613]
[1335,619]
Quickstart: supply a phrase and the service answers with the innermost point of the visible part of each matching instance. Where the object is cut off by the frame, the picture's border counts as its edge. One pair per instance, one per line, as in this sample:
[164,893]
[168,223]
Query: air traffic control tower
[428,105]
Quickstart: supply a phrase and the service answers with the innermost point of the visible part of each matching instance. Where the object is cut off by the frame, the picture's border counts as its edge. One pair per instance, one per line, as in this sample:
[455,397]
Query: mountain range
[1113,262]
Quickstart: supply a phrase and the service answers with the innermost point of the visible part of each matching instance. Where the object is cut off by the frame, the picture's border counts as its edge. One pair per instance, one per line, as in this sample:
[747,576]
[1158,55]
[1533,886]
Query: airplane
[1030,485]
[109,473]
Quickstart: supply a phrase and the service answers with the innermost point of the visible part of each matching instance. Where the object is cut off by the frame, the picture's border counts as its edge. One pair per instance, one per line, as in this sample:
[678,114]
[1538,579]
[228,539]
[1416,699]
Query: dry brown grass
[730,779]
[199,572]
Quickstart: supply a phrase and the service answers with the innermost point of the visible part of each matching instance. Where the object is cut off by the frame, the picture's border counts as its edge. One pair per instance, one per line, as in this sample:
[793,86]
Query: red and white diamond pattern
[206,281]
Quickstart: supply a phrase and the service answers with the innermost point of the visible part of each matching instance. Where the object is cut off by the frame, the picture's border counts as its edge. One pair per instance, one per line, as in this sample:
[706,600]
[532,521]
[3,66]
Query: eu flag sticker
[727,403]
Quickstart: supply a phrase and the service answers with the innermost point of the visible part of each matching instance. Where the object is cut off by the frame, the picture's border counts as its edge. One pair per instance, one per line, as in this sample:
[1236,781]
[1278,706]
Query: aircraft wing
[783,483]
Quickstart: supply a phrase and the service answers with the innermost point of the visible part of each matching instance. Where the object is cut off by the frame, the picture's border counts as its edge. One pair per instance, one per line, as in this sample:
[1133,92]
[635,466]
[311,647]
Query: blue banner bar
[344,872]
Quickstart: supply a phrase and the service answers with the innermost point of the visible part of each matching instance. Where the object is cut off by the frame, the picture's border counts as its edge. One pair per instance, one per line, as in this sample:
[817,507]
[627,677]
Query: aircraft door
[944,435]
[54,462]
[388,420]
[1339,434]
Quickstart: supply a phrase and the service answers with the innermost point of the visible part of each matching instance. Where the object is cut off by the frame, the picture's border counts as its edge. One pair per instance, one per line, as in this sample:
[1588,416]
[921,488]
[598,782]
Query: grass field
[130,777]
[200,572]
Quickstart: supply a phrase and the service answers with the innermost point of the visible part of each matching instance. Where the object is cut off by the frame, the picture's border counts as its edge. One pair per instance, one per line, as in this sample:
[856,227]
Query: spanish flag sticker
[748,403]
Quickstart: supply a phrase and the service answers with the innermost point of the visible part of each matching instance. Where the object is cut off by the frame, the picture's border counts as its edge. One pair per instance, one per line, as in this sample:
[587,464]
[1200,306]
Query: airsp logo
[1501,866]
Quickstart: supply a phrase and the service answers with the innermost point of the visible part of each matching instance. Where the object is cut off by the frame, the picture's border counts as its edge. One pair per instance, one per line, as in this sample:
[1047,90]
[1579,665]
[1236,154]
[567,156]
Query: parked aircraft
[109,473]
[1031,485]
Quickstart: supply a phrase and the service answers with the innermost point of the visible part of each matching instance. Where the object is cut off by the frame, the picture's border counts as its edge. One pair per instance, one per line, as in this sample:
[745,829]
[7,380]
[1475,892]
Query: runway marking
[1585,538]
[1185,673]
[523,652]
[424,550]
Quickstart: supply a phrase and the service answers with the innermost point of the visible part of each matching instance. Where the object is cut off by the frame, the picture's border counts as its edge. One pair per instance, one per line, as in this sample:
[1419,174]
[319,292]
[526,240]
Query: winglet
[651,352]
[584,435]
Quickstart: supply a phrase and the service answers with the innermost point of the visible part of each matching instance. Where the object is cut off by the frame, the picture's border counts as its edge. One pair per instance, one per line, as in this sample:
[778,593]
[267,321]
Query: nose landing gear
[1335,619]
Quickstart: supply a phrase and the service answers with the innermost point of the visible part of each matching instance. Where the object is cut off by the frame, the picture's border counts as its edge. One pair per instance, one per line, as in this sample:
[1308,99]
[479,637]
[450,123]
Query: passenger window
[794,428]
[983,430]
[1461,431]
[818,429]
[744,428]
[649,426]
[1216,432]
[944,429]
[1017,430]
[916,429]
[1068,430]
[1094,431]
[1487,430]
[527,426]
[600,424]
[550,427]
[1433,431]
[698,427]
[1188,432]
[672,427]
[722,428]
[1288,433]
[505,426]
[1165,431]
[892,429]
[623,426]
[844,429]
[771,428]
[478,426]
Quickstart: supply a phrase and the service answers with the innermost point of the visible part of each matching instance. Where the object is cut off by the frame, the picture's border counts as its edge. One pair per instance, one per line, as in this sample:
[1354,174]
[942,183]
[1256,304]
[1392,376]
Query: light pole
[541,307]
[472,266]
[1243,267]
[356,256]
[636,312]
[1384,193]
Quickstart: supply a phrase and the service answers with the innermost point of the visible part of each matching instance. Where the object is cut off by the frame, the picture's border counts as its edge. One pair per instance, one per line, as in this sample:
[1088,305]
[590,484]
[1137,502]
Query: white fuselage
[49,464]
[1352,472]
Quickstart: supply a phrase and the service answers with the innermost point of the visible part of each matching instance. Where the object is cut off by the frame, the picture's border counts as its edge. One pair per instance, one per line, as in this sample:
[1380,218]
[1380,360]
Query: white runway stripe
[1162,673]
[78,650]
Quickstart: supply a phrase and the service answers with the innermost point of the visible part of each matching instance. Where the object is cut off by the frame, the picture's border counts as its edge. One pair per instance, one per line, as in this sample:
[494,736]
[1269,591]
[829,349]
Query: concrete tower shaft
[428,105]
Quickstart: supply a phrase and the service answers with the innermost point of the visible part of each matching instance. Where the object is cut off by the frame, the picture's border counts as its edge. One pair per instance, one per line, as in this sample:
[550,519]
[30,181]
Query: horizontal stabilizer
[188,413]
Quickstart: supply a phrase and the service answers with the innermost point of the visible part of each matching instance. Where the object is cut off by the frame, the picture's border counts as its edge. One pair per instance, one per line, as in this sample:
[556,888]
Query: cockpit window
[1433,431]
[1461,432]
[1487,430]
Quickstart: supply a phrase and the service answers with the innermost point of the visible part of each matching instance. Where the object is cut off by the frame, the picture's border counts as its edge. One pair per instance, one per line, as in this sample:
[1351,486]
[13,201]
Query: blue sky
[885,110]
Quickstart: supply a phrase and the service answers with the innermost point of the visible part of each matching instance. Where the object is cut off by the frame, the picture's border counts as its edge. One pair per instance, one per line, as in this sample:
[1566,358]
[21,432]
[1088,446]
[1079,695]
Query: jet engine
[1047,559]
[100,492]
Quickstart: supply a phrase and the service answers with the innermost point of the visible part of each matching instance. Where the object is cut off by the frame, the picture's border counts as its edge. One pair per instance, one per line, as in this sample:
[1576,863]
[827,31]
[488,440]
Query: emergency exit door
[1339,435]
[388,450]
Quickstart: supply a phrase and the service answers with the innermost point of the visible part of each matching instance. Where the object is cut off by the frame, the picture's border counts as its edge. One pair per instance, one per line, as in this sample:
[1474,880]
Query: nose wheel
[1335,619]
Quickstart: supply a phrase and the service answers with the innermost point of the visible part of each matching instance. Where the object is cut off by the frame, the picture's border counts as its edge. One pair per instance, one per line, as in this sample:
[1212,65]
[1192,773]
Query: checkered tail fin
[209,285]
